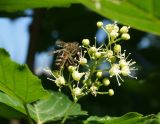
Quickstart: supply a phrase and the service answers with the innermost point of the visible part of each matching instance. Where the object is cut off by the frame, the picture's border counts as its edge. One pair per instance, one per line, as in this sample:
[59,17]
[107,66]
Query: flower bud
[83,61]
[110,92]
[124,29]
[117,48]
[109,27]
[97,55]
[60,81]
[76,75]
[99,24]
[115,28]
[114,34]
[109,53]
[92,50]
[85,42]
[94,90]
[71,68]
[125,36]
[106,81]
[99,74]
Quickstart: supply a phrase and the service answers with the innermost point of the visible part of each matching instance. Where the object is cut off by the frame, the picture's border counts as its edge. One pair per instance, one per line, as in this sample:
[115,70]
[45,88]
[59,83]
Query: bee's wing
[56,51]
[60,43]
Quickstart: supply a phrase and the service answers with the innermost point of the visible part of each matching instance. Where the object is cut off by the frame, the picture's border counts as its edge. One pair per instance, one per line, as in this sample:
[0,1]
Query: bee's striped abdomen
[61,59]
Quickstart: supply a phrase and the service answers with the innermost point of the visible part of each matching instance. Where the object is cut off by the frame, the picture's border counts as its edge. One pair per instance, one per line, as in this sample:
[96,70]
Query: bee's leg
[78,56]
[71,61]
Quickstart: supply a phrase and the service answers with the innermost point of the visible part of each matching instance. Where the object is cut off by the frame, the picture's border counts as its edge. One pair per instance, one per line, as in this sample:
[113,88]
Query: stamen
[132,76]
[50,79]
[132,63]
[120,78]
[119,84]
[128,56]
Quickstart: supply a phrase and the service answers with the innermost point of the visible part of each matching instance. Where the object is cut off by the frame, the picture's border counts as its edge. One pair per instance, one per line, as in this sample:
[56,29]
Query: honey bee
[68,54]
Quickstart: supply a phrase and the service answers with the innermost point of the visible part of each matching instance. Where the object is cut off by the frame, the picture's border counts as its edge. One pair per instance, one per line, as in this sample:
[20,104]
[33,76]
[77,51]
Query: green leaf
[14,5]
[158,116]
[140,14]
[10,107]
[9,113]
[129,118]
[51,108]
[18,81]
[143,15]
[55,107]
[20,87]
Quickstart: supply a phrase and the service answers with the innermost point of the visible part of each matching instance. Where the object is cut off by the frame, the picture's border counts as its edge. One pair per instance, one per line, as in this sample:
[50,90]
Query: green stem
[27,112]
[119,39]
[92,67]
[66,114]
[109,38]
[102,93]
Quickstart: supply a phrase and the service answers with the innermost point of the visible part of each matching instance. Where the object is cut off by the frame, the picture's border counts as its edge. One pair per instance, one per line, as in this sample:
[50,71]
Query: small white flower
[82,61]
[115,27]
[94,90]
[126,66]
[76,75]
[60,81]
[114,34]
[112,28]
[109,54]
[76,92]
[125,71]
[122,63]
[109,27]
[115,71]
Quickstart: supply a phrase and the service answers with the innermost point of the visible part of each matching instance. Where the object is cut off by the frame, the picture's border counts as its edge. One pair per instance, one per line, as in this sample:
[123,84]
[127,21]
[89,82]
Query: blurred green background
[34,32]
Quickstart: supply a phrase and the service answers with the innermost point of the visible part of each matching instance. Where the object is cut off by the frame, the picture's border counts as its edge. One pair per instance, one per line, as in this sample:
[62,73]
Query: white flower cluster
[89,81]
[122,67]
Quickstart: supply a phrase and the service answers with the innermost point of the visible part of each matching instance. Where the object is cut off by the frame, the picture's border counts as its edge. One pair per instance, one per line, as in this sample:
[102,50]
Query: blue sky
[14,37]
